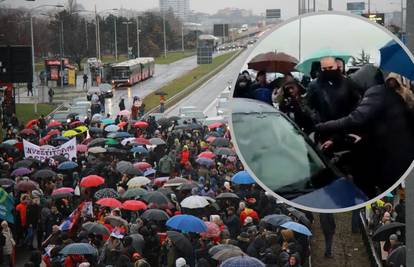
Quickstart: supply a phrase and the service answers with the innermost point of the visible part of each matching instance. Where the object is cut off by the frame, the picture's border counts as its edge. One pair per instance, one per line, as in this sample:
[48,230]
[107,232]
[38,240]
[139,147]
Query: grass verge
[173,56]
[179,84]
[25,112]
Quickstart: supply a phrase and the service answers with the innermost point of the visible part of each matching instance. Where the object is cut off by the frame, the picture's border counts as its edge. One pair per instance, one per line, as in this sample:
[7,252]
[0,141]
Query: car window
[278,153]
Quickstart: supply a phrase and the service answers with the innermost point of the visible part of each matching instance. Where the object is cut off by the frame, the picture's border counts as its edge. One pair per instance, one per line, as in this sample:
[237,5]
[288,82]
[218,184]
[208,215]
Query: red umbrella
[273,62]
[43,140]
[215,125]
[161,180]
[30,124]
[134,205]
[81,148]
[210,139]
[63,190]
[76,124]
[27,132]
[206,154]
[26,186]
[54,132]
[109,202]
[122,124]
[141,124]
[142,141]
[142,166]
[54,123]
[213,230]
[19,146]
[92,181]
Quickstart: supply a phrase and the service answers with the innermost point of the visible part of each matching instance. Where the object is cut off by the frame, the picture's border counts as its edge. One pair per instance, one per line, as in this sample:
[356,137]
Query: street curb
[192,87]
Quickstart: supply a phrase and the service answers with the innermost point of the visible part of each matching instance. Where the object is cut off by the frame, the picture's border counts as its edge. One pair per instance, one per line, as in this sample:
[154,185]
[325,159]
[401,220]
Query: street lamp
[127,29]
[165,40]
[138,32]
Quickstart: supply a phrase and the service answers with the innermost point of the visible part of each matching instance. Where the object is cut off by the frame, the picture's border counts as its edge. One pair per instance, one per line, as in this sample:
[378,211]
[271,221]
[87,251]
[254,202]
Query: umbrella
[122,124]
[139,150]
[61,138]
[67,165]
[242,261]
[138,182]
[220,142]
[395,59]
[97,150]
[216,125]
[206,154]
[142,166]
[297,227]
[123,166]
[242,177]
[149,172]
[25,163]
[141,124]
[224,151]
[166,191]
[21,172]
[397,257]
[300,216]
[82,129]
[187,223]
[6,182]
[383,232]
[7,206]
[138,242]
[106,193]
[63,190]
[142,141]
[134,193]
[30,123]
[108,121]
[177,181]
[157,198]
[79,249]
[194,202]
[81,148]
[180,242]
[96,228]
[27,132]
[212,134]
[164,122]
[70,133]
[228,253]
[131,171]
[213,230]
[116,221]
[45,173]
[188,186]
[128,141]
[97,117]
[276,219]
[160,93]
[111,128]
[205,162]
[92,181]
[109,202]
[76,124]
[54,123]
[119,135]
[273,62]
[111,142]
[95,130]
[155,215]
[26,186]
[134,205]
[97,142]
[305,65]
[157,141]
[227,195]
[11,142]
[124,112]
[214,249]
[53,132]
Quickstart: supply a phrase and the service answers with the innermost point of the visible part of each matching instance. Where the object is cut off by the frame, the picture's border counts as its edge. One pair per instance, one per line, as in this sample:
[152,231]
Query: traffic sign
[221,30]
[273,13]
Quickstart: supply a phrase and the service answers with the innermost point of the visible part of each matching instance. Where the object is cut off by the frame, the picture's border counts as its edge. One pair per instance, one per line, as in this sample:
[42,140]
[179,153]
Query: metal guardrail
[182,94]
[373,256]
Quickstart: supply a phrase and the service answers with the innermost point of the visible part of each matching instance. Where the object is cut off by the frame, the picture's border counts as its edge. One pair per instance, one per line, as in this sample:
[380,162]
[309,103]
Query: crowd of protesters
[78,211]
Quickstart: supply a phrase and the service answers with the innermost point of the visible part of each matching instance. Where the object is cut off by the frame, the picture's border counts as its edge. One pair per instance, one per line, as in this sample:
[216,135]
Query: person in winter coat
[384,120]
[232,222]
[9,244]
[185,156]
[328,226]
[121,104]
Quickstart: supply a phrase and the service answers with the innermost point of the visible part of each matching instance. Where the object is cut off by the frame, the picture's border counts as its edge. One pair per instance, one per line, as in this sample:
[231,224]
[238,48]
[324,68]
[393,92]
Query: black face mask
[330,75]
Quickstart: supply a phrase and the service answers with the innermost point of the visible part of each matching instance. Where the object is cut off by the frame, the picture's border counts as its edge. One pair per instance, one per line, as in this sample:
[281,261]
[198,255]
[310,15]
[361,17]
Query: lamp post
[138,32]
[127,29]
[165,40]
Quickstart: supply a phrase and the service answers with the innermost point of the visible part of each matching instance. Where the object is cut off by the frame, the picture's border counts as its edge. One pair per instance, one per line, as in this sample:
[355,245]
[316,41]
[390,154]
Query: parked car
[104,88]
[186,109]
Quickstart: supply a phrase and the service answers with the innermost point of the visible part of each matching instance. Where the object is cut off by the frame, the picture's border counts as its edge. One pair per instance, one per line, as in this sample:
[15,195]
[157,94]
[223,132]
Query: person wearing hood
[122,104]
[383,119]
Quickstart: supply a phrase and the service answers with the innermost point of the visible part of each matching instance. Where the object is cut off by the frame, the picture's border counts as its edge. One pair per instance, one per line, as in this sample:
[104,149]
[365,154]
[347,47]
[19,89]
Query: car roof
[246,105]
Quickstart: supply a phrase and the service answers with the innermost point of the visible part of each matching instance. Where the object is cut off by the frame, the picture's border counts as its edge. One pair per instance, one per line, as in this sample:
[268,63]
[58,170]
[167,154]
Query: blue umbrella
[139,149]
[61,138]
[276,219]
[205,161]
[297,227]
[242,261]
[67,165]
[108,121]
[395,59]
[149,172]
[79,249]
[187,223]
[242,177]
[119,135]
[111,128]
[6,206]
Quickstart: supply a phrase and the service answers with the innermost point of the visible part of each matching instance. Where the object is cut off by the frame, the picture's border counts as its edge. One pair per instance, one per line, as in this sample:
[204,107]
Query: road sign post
[273,14]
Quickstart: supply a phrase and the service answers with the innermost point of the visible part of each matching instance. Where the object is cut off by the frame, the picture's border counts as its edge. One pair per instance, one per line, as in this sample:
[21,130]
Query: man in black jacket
[328,226]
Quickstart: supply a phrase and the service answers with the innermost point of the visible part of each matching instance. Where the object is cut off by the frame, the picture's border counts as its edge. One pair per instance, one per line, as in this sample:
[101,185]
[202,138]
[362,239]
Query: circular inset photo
[323,112]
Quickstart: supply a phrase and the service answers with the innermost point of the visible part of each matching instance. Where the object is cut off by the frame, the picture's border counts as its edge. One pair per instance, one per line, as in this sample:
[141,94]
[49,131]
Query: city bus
[132,71]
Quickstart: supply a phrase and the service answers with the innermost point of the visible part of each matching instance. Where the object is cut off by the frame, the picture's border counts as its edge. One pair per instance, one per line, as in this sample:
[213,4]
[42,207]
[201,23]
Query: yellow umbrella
[82,128]
[70,133]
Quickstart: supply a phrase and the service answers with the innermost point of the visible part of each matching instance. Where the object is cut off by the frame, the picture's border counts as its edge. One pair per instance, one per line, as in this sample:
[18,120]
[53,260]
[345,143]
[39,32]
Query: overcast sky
[289,7]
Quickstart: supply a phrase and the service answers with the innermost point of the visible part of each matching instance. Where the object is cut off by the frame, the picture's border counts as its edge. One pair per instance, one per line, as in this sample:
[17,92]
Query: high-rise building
[181,8]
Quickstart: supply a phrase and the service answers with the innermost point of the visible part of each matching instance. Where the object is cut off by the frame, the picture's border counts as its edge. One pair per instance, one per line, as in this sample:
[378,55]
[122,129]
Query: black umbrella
[131,171]
[188,186]
[213,250]
[383,232]
[123,166]
[134,193]
[174,118]
[44,174]
[220,141]
[224,151]
[215,134]
[26,163]
[6,182]
[300,216]
[116,220]
[397,257]
[79,249]
[155,215]
[164,122]
[115,150]
[97,142]
[138,242]
[227,195]
[156,198]
[106,192]
[60,158]
[96,228]
[161,93]
[95,130]
[180,242]
[165,190]
[276,219]
[227,253]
